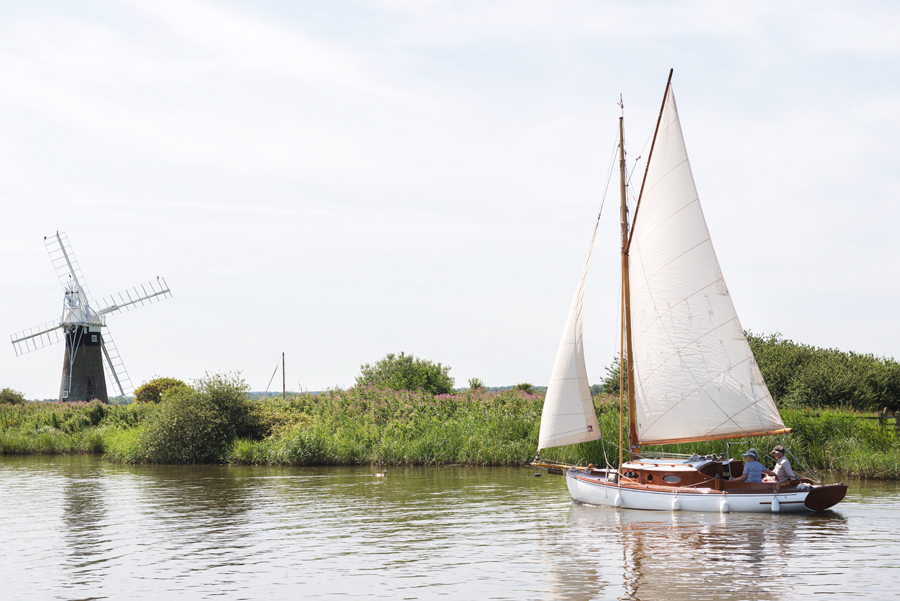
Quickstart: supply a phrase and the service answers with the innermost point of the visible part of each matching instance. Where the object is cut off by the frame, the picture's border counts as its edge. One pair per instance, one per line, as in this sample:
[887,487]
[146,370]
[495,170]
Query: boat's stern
[824,497]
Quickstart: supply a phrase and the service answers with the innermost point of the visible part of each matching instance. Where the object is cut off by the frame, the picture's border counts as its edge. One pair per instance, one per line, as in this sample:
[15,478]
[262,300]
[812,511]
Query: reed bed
[378,426]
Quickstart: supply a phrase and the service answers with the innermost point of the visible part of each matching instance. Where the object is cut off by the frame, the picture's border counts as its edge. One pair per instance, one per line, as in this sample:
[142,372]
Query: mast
[627,357]
[623,217]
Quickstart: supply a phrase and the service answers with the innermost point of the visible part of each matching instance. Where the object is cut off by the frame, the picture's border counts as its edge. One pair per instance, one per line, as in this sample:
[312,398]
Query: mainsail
[695,375]
[569,415]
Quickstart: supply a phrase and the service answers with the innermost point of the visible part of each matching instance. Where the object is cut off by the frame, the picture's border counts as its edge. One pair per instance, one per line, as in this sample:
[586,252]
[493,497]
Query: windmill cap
[752,453]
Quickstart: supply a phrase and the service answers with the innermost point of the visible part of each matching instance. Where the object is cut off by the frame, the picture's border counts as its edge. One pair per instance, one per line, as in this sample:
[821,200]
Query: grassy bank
[215,422]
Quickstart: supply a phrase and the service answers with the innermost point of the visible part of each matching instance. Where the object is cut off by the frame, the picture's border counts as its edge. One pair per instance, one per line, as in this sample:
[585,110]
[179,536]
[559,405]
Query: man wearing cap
[782,470]
[753,469]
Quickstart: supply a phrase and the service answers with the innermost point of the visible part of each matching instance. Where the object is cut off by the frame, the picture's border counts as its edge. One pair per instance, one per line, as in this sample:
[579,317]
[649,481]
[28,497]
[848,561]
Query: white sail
[569,415]
[695,375]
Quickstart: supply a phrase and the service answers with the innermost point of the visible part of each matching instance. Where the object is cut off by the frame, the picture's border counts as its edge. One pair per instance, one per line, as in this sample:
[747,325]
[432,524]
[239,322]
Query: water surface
[77,527]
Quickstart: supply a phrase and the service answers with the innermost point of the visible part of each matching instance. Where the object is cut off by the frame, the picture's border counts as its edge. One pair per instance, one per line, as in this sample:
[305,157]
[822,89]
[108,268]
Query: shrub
[799,375]
[197,424]
[611,381]
[152,391]
[9,396]
[475,384]
[406,372]
[525,387]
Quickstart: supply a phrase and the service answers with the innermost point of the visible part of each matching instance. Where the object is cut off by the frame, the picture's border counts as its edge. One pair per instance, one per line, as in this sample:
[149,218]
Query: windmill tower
[89,350]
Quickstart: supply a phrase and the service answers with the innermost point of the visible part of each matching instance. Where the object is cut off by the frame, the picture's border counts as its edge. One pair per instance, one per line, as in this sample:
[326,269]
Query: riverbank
[378,426]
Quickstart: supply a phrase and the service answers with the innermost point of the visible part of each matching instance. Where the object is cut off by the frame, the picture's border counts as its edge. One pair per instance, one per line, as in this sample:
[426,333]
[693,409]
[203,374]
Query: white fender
[618,502]
[724,506]
[676,504]
[776,506]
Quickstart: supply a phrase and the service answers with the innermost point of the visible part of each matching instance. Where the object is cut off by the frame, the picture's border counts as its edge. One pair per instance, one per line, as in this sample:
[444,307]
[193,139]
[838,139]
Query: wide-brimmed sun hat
[752,453]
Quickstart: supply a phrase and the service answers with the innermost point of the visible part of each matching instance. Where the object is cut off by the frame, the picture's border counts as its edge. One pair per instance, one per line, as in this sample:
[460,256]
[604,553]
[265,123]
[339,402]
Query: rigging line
[270,379]
[649,158]
[800,461]
[612,162]
[638,159]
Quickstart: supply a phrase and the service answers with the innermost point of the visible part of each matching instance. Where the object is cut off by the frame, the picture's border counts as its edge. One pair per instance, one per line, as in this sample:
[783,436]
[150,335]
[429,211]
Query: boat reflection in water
[627,554]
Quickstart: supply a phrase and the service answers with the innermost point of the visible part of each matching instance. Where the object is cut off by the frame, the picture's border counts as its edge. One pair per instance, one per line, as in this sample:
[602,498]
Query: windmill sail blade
[115,369]
[151,292]
[37,337]
[65,264]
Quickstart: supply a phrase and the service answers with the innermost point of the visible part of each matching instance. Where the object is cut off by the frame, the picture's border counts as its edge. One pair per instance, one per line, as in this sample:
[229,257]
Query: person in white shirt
[782,471]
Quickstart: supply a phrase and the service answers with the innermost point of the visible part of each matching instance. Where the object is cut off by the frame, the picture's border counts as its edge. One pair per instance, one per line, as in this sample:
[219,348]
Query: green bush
[153,391]
[799,375]
[9,396]
[406,372]
[525,387]
[611,380]
[475,384]
[197,424]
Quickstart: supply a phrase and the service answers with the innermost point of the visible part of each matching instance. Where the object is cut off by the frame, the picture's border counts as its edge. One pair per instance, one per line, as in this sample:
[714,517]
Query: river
[78,527]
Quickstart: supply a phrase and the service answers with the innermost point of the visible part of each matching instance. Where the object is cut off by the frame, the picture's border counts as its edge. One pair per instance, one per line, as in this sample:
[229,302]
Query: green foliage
[800,375]
[379,425]
[153,391]
[406,372]
[197,424]
[214,421]
[9,396]
[475,384]
[611,381]
[525,387]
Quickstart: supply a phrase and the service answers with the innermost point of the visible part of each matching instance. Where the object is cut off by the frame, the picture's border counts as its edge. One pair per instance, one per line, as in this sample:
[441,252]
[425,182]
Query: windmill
[89,350]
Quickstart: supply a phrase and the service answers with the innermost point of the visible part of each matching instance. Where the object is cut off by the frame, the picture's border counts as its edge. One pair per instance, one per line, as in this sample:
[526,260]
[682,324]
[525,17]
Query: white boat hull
[596,492]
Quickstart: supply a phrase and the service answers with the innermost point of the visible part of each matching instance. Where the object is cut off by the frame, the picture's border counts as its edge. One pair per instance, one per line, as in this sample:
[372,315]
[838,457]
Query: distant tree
[475,384]
[596,389]
[152,391]
[525,387]
[9,396]
[611,381]
[406,372]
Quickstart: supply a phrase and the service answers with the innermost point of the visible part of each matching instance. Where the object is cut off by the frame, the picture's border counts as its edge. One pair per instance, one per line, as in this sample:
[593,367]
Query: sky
[340,180]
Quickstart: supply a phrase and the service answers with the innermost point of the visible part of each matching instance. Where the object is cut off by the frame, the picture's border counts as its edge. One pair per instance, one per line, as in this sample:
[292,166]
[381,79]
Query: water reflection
[627,554]
[82,518]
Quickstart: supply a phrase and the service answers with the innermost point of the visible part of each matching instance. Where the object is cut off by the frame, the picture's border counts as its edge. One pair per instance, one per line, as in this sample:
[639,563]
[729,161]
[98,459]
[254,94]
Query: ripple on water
[81,528]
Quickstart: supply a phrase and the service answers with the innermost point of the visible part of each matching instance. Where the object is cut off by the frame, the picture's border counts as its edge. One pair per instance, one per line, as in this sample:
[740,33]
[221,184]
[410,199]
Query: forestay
[569,415]
[695,375]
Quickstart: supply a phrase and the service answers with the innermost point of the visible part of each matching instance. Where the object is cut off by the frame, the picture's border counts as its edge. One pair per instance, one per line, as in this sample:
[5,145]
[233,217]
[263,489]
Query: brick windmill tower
[90,349]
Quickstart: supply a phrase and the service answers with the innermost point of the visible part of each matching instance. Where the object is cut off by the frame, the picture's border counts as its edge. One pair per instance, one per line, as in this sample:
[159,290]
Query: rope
[612,164]
[270,380]
[801,462]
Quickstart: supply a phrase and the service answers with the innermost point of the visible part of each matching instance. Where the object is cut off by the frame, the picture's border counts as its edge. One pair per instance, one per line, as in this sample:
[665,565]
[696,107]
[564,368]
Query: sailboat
[687,372]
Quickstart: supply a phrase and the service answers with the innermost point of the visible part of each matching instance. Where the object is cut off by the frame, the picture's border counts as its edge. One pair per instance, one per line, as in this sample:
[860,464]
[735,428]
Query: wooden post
[881,415]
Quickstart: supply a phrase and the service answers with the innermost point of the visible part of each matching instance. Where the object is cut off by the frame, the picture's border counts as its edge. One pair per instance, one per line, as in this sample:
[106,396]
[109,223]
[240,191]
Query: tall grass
[373,425]
[840,440]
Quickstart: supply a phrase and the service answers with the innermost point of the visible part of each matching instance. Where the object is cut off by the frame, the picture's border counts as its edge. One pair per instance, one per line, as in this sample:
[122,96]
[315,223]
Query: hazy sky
[340,180]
